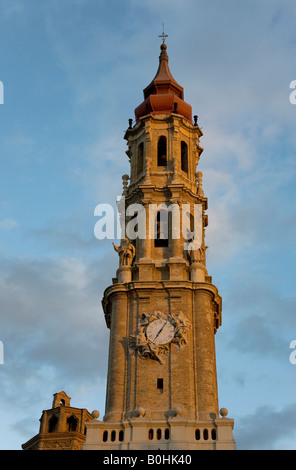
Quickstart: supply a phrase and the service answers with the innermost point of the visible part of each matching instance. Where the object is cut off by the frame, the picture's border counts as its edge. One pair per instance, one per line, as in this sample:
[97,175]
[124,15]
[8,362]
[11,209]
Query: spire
[163,81]
[164,95]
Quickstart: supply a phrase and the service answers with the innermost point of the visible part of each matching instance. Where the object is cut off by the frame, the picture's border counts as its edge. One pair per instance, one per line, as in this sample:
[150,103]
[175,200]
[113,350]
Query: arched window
[113,436]
[197,434]
[214,435]
[150,434]
[206,434]
[53,424]
[162,151]
[105,436]
[184,156]
[72,424]
[167,434]
[121,436]
[158,434]
[140,158]
[161,239]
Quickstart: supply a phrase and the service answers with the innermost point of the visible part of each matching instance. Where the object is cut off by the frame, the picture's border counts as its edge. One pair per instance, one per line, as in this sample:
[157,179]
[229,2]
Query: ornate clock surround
[145,344]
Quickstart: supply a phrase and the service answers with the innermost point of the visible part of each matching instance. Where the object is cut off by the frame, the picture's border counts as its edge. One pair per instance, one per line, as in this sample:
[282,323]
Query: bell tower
[163,310]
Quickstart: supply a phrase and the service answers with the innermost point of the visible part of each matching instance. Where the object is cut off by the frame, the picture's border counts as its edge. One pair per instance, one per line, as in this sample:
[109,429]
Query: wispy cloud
[269,428]
[8,224]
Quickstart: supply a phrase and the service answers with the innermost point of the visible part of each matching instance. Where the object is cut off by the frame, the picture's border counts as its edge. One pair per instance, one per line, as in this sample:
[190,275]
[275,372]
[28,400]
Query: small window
[158,434]
[113,436]
[184,156]
[214,435]
[167,434]
[206,434]
[121,436]
[161,239]
[105,436]
[150,434]
[162,151]
[197,434]
[160,385]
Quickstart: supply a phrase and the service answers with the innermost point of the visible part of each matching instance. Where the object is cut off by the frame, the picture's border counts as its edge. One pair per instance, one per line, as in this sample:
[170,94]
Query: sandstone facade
[162,394]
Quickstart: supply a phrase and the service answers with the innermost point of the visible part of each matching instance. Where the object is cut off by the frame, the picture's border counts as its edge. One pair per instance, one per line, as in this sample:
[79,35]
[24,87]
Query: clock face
[160,331]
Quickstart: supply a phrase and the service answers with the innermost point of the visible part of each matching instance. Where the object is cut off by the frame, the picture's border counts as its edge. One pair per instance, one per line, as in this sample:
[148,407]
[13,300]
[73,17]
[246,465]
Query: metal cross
[163,36]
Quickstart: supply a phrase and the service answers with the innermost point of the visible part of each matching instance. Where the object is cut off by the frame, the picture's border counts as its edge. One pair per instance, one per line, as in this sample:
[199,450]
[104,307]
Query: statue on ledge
[126,252]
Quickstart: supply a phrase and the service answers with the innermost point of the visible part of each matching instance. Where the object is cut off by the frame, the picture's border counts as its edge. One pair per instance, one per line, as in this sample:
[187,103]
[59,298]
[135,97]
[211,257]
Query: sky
[73,71]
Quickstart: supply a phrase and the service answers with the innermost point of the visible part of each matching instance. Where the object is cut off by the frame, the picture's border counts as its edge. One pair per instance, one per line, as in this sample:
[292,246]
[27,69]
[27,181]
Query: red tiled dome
[163,95]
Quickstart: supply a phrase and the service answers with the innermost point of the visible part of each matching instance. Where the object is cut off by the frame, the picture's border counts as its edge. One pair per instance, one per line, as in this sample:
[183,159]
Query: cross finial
[163,36]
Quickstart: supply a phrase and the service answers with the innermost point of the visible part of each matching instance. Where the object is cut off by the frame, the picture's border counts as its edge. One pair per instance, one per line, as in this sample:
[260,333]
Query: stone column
[176,221]
[176,224]
[146,201]
[207,394]
[197,272]
[43,423]
[116,365]
[124,274]
[147,241]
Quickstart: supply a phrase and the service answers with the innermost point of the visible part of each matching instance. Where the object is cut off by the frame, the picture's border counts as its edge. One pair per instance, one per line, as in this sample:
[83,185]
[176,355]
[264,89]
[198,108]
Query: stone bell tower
[162,309]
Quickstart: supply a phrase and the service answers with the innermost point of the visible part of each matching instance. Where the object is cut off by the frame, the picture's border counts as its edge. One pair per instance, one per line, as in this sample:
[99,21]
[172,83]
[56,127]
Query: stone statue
[196,252]
[126,252]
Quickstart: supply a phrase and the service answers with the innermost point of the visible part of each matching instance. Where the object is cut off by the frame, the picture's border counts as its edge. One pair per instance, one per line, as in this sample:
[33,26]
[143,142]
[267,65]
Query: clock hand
[160,330]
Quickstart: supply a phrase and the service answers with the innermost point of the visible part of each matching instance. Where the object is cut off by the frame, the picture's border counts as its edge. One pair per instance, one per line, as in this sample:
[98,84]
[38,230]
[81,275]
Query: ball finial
[95,414]
[223,412]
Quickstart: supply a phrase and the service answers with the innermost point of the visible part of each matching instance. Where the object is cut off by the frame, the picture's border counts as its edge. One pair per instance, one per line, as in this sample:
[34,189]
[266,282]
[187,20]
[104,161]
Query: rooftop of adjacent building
[62,421]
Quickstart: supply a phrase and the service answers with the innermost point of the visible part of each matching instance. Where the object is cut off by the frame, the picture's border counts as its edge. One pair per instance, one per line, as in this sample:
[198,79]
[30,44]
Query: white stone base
[175,434]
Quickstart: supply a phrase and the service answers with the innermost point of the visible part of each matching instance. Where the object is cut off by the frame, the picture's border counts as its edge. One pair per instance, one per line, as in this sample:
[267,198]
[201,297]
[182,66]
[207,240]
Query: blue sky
[73,73]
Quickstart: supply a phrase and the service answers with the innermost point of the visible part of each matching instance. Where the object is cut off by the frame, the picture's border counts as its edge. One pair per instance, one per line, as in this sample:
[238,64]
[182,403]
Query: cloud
[268,428]
[8,224]
[14,7]
[52,325]
[260,322]
[54,336]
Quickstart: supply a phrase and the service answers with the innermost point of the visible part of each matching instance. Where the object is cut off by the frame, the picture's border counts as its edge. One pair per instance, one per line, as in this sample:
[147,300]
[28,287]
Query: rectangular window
[161,239]
[160,385]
